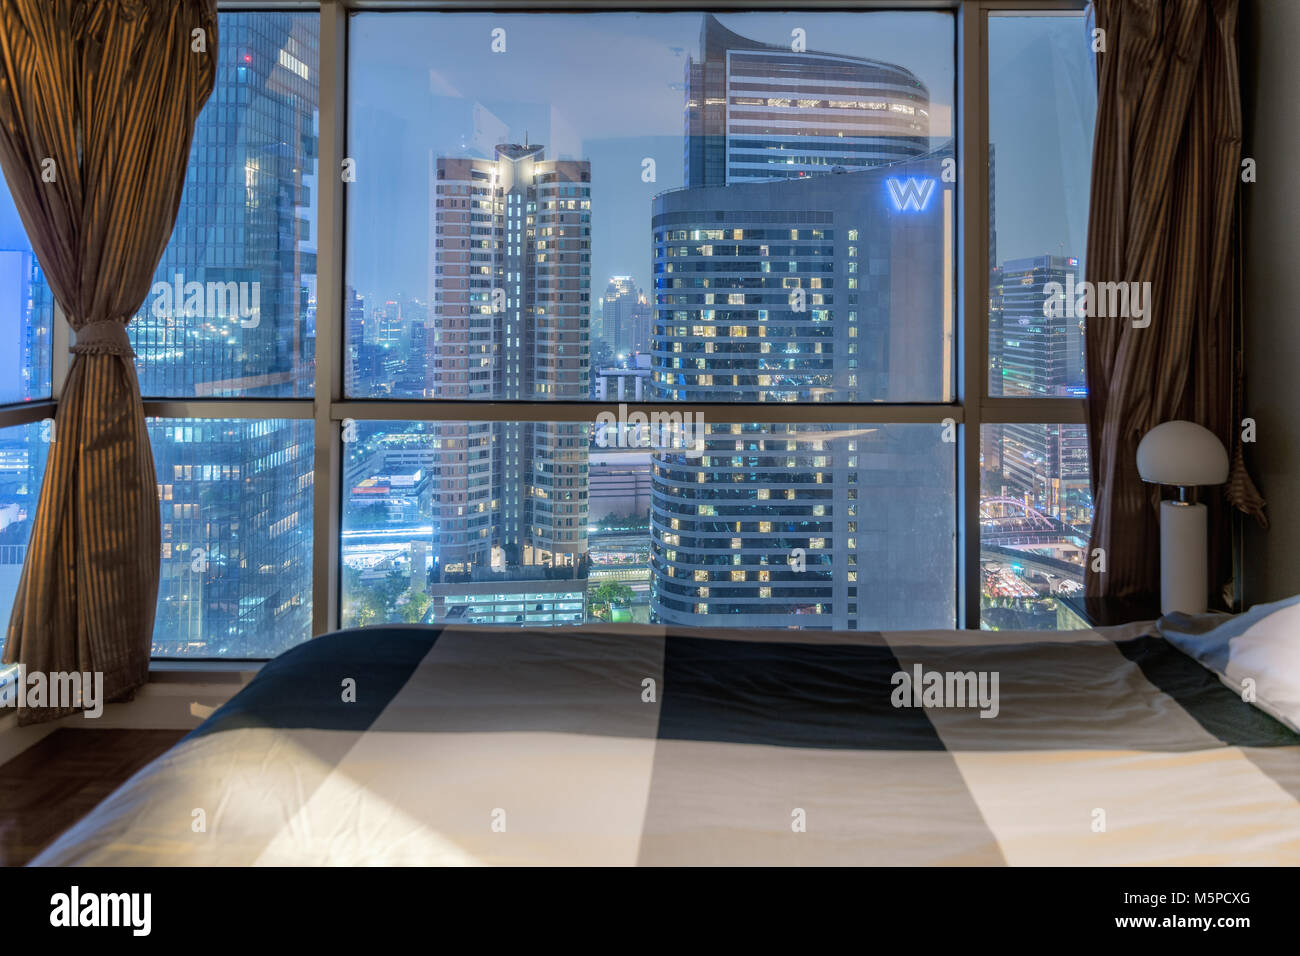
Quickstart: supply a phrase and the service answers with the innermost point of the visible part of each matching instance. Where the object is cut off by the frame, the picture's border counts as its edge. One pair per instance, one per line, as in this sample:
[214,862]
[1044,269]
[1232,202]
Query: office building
[509,319]
[625,317]
[236,495]
[812,289]
[757,111]
[1042,356]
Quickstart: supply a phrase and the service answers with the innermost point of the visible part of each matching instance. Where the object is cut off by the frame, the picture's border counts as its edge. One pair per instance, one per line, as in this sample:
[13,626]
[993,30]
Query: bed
[463,745]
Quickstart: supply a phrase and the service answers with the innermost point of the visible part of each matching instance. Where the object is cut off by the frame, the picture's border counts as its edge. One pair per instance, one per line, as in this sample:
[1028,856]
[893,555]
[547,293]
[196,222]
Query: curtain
[97,108]
[1166,168]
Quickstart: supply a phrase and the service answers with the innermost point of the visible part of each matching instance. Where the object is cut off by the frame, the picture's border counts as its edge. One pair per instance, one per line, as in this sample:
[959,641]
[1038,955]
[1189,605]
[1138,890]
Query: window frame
[970,409]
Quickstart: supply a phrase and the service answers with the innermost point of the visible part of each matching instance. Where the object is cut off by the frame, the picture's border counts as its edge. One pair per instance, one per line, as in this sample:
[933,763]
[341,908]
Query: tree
[365,613]
[393,587]
[373,602]
[627,522]
[372,515]
[415,608]
[608,594]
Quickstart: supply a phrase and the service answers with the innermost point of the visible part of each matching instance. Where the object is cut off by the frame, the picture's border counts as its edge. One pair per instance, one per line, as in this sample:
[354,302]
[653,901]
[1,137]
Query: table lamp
[1183,454]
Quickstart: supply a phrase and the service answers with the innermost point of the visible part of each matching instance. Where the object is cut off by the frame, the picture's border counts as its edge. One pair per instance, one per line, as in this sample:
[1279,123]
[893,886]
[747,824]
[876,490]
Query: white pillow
[1261,646]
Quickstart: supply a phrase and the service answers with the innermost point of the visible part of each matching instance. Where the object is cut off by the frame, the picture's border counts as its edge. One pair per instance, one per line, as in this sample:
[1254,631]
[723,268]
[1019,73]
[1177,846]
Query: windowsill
[179,695]
[163,671]
[189,672]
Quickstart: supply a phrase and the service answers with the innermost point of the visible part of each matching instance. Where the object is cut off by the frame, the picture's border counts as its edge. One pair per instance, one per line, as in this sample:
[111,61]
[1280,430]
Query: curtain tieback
[105,337]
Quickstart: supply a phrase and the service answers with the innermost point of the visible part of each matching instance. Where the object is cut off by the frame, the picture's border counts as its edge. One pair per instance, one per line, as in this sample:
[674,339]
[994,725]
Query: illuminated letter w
[910,193]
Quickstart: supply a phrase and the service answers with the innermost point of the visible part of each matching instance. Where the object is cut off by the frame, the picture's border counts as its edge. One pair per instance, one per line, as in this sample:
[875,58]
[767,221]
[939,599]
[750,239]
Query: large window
[623,316]
[1035,499]
[754,208]
[232,314]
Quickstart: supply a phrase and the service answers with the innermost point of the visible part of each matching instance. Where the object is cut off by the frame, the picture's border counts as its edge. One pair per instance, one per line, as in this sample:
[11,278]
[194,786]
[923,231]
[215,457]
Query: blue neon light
[912,193]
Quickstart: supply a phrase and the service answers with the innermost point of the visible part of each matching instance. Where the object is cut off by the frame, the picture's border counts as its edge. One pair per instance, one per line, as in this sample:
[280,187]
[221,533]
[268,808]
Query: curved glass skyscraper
[757,111]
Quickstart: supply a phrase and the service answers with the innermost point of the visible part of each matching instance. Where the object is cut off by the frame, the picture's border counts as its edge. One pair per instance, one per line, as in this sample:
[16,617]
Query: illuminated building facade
[509,320]
[815,289]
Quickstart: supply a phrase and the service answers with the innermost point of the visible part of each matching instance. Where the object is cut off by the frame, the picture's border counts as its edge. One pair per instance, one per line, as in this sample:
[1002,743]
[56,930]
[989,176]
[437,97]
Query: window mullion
[587,411]
[327,503]
[972,132]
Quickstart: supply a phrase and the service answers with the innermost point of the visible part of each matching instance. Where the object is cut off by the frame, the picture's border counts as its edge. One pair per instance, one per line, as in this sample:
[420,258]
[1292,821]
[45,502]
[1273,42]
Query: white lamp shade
[1182,453]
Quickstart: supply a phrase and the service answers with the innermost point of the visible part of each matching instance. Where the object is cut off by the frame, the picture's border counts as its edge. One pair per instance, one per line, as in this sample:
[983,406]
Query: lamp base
[1183,566]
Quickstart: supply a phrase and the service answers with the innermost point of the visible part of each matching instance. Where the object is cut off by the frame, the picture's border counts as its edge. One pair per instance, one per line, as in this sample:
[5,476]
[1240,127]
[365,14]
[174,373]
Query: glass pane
[750,207]
[829,527]
[1035,515]
[232,311]
[1042,103]
[694,524]
[236,498]
[23,452]
[26,312]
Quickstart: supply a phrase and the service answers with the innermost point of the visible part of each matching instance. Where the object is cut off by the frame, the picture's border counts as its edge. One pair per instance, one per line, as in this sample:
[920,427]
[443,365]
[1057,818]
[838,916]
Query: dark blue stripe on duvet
[1200,692]
[827,696]
[303,687]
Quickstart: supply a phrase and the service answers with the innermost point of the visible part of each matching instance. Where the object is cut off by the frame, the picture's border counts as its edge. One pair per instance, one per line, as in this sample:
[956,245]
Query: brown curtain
[1166,168]
[97,108]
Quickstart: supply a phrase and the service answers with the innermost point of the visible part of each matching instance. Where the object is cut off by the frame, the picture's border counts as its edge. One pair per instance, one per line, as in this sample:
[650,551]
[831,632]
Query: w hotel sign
[911,193]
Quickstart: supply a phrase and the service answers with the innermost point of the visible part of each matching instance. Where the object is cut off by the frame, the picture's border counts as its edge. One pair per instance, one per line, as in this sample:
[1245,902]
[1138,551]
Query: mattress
[589,745]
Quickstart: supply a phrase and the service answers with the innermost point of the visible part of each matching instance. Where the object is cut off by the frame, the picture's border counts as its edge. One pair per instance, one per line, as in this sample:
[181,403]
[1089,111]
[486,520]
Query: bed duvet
[473,746]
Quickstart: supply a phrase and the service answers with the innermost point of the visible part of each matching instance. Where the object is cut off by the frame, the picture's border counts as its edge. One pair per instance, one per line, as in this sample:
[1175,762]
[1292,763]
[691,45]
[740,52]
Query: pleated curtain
[1166,170]
[98,100]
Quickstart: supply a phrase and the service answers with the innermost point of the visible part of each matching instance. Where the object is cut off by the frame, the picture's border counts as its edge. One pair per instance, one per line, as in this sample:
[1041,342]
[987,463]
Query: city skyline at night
[803,200]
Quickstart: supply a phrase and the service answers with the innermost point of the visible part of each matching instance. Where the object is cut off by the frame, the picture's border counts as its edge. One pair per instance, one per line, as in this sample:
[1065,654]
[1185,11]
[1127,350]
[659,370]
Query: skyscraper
[759,111]
[625,313]
[243,219]
[236,495]
[642,324]
[807,260]
[819,289]
[1042,356]
[509,319]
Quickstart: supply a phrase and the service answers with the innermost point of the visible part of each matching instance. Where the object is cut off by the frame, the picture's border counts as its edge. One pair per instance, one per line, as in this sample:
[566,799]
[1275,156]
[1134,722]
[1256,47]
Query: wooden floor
[54,783]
